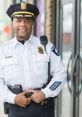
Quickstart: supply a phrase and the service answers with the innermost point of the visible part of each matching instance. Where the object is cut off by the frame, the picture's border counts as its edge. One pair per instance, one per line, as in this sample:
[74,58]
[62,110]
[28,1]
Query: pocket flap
[8,61]
[41,57]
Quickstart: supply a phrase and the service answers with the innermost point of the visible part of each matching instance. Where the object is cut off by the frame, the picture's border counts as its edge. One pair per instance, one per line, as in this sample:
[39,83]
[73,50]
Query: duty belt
[16,89]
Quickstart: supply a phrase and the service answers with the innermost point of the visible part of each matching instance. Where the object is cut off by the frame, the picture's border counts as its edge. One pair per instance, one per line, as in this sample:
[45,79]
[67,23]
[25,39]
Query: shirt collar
[16,42]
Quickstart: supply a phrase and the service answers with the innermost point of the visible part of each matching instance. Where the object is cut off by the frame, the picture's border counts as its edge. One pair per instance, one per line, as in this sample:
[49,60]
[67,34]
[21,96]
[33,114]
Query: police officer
[24,61]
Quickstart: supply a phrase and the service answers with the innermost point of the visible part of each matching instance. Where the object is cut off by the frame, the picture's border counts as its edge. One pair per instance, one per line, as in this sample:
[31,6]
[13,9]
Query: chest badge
[40,50]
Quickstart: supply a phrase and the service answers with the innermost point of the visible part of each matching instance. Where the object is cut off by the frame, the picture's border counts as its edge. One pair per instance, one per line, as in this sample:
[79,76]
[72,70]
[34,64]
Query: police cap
[25,9]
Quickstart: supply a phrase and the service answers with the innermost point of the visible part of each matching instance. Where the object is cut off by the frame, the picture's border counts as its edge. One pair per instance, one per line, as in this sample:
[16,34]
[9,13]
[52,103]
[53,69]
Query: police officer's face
[22,28]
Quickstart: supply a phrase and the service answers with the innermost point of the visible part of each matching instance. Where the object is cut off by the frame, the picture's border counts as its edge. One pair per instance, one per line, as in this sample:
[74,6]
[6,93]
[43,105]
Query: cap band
[22,12]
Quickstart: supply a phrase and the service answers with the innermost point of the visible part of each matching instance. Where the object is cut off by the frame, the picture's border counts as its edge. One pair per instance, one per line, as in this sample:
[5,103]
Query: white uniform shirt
[28,65]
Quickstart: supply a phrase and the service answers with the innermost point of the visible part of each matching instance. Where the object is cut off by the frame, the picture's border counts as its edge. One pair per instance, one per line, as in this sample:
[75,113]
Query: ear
[12,19]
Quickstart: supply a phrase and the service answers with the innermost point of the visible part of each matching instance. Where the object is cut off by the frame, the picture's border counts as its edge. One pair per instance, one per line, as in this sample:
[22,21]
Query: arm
[58,74]
[5,94]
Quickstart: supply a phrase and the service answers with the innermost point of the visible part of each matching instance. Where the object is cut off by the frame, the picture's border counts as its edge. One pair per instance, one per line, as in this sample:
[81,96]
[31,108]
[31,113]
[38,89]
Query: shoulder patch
[54,50]
[55,85]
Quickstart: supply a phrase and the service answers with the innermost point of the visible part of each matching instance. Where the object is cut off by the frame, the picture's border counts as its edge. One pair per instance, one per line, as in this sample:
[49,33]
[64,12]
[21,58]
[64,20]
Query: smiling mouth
[23,30]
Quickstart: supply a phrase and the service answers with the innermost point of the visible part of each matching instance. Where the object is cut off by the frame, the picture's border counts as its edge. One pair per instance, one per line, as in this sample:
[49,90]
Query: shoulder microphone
[44,41]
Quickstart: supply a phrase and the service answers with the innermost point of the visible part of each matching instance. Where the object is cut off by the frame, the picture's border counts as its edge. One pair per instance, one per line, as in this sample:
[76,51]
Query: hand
[22,100]
[37,96]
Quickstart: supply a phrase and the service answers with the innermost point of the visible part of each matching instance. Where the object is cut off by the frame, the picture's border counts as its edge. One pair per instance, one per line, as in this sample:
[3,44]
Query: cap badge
[23,6]
[40,50]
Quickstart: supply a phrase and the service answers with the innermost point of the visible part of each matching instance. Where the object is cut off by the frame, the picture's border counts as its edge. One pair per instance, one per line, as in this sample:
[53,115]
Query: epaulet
[55,51]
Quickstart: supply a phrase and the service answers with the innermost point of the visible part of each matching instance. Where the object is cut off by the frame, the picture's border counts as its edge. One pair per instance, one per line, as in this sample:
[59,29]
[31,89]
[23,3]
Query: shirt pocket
[40,64]
[10,67]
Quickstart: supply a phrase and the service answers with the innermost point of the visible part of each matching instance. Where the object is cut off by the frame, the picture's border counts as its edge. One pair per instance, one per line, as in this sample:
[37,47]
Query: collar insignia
[40,50]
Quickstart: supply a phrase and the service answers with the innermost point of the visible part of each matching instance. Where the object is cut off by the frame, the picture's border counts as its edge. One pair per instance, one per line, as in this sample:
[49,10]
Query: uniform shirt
[28,65]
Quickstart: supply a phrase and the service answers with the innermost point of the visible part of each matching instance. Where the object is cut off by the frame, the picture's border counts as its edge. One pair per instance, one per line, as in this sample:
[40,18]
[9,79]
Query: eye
[28,20]
[17,19]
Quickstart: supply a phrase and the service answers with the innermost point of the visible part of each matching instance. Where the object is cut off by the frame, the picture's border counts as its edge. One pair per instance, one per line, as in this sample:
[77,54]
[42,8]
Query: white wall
[3,7]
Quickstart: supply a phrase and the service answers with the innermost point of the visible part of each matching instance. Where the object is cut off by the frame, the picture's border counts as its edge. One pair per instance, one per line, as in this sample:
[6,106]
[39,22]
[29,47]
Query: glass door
[80,86]
[72,57]
[66,53]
